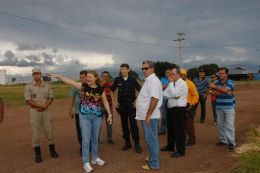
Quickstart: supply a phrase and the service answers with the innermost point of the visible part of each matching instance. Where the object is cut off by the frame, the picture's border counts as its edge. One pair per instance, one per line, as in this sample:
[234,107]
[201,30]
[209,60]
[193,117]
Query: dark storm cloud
[209,25]
[24,46]
[48,59]
[9,59]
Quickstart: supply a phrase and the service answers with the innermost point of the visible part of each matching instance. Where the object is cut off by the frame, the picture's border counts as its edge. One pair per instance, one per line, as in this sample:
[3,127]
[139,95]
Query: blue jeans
[151,137]
[90,126]
[226,125]
[163,128]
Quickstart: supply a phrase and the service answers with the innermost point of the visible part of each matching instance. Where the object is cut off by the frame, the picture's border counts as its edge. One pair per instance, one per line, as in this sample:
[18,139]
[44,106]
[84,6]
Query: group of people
[174,97]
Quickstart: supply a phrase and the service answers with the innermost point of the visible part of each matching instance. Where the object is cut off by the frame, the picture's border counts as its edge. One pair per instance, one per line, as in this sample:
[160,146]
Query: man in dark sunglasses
[148,105]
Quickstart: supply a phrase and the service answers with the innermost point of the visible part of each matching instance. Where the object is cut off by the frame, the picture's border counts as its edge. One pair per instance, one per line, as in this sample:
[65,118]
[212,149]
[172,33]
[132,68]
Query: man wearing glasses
[38,96]
[148,112]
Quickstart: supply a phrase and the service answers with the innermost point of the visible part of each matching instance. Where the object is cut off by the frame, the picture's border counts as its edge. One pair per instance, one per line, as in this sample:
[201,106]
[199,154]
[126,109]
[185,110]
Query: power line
[123,40]
[83,32]
[223,45]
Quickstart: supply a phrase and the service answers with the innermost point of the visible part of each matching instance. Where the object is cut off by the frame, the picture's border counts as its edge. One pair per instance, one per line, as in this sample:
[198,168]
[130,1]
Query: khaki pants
[39,120]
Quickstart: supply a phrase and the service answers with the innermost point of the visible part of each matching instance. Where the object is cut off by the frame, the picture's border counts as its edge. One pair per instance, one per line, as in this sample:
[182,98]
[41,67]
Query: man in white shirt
[176,92]
[148,106]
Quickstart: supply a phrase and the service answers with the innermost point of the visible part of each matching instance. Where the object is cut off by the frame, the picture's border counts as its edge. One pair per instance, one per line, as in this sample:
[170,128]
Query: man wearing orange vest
[192,99]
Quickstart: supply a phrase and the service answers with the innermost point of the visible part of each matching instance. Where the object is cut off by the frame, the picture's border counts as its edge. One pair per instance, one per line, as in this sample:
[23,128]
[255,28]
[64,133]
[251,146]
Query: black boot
[137,147]
[38,157]
[126,146]
[52,151]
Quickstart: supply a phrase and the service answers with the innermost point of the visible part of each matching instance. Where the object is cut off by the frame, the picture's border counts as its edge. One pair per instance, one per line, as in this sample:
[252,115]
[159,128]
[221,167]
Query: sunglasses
[213,76]
[145,68]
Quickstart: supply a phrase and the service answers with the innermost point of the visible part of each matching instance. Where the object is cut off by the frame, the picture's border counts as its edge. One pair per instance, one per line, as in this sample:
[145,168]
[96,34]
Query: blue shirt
[225,101]
[74,92]
[164,81]
[202,85]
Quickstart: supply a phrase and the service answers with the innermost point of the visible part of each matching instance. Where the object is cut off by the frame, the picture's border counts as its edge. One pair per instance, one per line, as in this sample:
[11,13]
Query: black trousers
[127,114]
[202,102]
[176,128]
[78,129]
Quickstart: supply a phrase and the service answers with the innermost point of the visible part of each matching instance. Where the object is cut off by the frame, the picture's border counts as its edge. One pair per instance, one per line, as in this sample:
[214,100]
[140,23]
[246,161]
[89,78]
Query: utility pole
[180,39]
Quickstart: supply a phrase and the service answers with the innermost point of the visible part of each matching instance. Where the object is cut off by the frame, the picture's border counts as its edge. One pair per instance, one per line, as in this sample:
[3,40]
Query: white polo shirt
[176,93]
[152,88]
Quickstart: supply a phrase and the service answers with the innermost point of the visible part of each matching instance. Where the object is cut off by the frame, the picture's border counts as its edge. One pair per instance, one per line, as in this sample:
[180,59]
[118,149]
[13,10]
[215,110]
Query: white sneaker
[87,167]
[98,161]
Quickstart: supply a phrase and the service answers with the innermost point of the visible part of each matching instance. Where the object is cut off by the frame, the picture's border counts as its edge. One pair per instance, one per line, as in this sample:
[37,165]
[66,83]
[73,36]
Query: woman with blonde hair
[93,98]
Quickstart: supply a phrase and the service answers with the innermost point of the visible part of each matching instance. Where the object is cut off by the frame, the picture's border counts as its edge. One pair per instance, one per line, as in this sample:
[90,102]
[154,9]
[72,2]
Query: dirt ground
[16,153]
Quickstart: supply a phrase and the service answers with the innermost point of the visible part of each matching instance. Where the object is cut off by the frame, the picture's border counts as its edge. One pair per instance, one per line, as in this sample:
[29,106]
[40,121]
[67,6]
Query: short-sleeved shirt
[126,89]
[91,100]
[202,85]
[225,101]
[39,94]
[107,85]
[152,88]
[75,93]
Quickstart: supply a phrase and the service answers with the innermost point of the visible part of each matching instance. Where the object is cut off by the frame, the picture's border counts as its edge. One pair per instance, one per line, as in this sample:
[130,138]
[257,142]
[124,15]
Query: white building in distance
[3,80]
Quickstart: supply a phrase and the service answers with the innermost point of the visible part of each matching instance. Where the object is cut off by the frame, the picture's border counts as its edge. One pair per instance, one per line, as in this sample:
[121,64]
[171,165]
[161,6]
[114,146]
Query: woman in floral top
[92,104]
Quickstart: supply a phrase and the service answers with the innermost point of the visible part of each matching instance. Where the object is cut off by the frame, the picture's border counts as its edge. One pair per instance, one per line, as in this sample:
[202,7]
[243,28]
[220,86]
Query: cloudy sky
[66,36]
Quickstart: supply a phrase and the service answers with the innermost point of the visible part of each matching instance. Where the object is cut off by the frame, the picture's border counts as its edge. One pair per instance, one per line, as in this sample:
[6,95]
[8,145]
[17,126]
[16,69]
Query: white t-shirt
[152,88]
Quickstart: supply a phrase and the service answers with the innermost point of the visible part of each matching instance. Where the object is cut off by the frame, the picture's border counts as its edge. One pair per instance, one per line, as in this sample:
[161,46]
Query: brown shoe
[148,167]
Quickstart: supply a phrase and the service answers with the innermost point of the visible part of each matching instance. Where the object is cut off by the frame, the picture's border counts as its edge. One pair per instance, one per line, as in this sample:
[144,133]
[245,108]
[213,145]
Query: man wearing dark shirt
[127,86]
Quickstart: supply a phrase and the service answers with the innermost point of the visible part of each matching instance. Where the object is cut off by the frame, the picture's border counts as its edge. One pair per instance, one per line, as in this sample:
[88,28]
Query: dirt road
[16,153]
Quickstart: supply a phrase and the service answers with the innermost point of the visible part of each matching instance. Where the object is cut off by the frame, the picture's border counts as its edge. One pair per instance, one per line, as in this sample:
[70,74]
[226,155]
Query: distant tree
[46,78]
[13,79]
[161,66]
[133,74]
[209,68]
[193,72]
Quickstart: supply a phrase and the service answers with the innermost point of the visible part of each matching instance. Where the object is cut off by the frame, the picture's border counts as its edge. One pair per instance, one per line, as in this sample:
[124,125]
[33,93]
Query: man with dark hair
[106,84]
[165,82]
[127,86]
[202,86]
[225,109]
[74,104]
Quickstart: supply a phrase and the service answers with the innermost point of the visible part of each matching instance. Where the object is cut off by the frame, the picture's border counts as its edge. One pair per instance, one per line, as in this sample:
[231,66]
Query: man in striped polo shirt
[202,85]
[225,108]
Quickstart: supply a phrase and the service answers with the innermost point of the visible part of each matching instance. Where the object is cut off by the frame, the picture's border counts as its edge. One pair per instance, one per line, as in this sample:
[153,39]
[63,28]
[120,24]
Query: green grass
[13,95]
[249,162]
